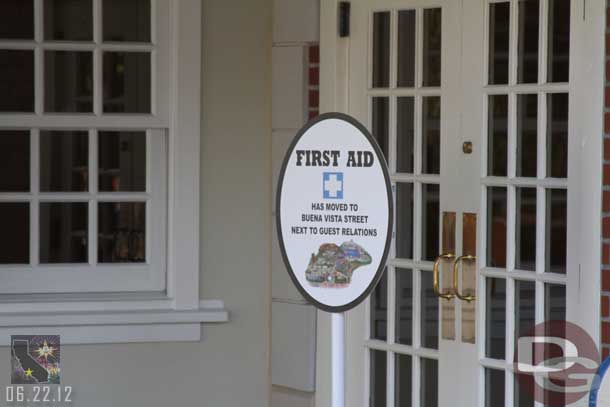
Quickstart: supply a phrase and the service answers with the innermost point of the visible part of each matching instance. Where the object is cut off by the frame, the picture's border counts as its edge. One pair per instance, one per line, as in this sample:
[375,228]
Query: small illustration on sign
[334,265]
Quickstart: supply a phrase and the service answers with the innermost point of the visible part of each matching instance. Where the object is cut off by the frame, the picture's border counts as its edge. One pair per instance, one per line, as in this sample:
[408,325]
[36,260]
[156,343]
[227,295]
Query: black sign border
[278,221]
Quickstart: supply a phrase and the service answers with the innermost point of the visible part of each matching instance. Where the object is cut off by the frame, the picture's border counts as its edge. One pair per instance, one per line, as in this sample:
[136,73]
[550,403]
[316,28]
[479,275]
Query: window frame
[177,312]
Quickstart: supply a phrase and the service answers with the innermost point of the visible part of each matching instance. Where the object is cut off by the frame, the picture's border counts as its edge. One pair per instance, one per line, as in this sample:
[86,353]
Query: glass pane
[63,232]
[557,135]
[403,384]
[127,82]
[121,232]
[497,148]
[555,302]
[68,20]
[404,306]
[122,161]
[429,312]
[494,388]
[499,34]
[431,135]
[525,307]
[14,161]
[17,19]
[14,233]
[496,227]
[381,49]
[525,248]
[523,390]
[432,47]
[381,122]
[126,20]
[528,41]
[557,230]
[68,77]
[64,157]
[406,48]
[527,135]
[16,81]
[495,318]
[429,383]
[405,134]
[430,222]
[404,221]
[378,379]
[379,309]
[559,41]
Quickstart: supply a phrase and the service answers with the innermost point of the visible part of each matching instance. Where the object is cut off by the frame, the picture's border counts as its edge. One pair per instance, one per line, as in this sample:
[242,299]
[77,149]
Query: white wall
[230,367]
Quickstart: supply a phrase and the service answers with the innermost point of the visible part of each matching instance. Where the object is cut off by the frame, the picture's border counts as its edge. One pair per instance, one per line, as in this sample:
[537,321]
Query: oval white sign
[334,212]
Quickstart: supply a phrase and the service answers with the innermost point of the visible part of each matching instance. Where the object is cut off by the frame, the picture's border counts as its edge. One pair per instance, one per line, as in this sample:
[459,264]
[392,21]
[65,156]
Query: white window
[99,115]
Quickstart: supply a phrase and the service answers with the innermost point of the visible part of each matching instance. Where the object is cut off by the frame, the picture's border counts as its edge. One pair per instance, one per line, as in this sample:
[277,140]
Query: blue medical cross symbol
[332,185]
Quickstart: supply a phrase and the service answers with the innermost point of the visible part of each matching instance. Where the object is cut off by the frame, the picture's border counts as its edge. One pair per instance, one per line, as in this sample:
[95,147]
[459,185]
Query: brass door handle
[456,264]
[446,295]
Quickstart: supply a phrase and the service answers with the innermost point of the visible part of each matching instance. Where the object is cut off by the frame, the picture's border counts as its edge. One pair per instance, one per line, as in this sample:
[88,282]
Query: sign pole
[338,359]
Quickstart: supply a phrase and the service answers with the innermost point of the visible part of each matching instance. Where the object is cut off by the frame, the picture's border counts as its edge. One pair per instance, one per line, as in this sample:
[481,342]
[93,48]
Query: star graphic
[45,351]
[28,373]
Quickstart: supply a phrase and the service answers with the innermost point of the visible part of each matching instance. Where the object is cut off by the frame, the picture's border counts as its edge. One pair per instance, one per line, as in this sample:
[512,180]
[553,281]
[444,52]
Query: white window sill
[109,320]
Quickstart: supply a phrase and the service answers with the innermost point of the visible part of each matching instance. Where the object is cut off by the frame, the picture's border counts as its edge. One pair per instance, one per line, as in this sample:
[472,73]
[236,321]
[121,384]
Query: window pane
[430,220]
[557,135]
[126,20]
[404,306]
[523,390]
[122,161]
[528,41]
[404,221]
[406,48]
[68,20]
[14,161]
[403,384]
[499,29]
[379,309]
[496,227]
[554,310]
[431,135]
[63,232]
[64,157]
[525,250]
[381,50]
[405,134]
[527,135]
[378,379]
[17,19]
[494,388]
[16,81]
[68,77]
[381,119]
[495,318]
[428,312]
[432,47]
[497,148]
[559,41]
[429,383]
[127,82]
[555,302]
[121,232]
[557,230]
[525,307]
[14,233]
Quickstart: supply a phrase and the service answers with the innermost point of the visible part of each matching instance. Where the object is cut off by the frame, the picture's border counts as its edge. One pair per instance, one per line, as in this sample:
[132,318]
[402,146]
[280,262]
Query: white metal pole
[338,359]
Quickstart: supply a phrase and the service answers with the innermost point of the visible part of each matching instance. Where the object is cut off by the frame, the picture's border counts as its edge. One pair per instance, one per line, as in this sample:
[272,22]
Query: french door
[475,105]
